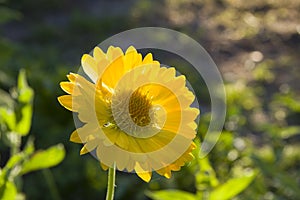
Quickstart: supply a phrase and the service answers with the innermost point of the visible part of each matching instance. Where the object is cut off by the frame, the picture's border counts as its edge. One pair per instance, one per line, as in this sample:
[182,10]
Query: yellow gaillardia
[136,114]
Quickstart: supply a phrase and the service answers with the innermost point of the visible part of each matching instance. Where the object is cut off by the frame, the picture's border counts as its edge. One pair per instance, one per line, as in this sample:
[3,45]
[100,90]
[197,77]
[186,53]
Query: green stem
[111,182]
[51,184]
[15,143]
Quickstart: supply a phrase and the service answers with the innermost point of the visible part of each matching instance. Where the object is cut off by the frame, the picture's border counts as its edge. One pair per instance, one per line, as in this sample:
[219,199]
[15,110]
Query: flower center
[139,106]
[134,113]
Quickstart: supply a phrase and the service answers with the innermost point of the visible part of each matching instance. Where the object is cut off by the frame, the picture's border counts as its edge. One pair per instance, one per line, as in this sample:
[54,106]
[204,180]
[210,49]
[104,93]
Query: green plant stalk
[15,145]
[111,182]
[15,149]
[51,184]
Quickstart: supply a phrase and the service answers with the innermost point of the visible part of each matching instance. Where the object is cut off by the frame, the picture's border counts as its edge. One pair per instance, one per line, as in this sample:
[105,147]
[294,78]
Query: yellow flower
[135,113]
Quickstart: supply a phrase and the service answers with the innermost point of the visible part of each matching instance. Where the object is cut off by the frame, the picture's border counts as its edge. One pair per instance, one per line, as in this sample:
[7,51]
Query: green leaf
[206,176]
[25,92]
[8,117]
[8,191]
[29,147]
[290,100]
[24,124]
[289,131]
[231,188]
[44,159]
[171,195]
[14,162]
[25,99]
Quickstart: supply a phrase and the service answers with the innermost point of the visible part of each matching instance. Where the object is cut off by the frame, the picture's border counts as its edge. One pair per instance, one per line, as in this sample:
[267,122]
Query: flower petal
[89,146]
[75,137]
[103,166]
[84,150]
[89,66]
[98,54]
[72,77]
[67,102]
[145,175]
[67,87]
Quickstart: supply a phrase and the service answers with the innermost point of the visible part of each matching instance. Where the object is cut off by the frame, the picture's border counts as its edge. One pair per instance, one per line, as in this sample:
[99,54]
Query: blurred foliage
[254,43]
[15,120]
[206,183]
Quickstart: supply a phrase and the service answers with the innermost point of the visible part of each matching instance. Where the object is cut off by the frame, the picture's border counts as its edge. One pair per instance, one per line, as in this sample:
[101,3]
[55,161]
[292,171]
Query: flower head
[135,113]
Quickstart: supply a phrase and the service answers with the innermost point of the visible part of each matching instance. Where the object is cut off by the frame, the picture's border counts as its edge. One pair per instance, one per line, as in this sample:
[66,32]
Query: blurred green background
[255,44]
